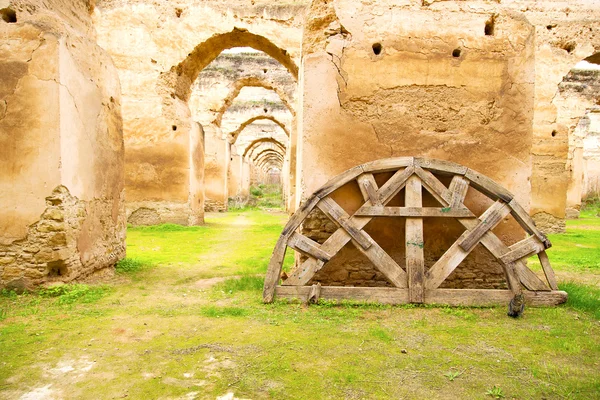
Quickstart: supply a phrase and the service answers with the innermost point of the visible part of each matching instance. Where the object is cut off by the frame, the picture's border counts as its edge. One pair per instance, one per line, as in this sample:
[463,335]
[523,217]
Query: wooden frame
[414,284]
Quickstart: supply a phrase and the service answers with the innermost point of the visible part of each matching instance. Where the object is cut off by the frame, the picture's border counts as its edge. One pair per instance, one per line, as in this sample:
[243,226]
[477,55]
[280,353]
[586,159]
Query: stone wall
[382,80]
[159,49]
[61,207]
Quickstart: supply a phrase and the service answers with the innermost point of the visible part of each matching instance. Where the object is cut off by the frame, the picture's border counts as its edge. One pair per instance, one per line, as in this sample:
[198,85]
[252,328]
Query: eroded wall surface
[159,49]
[386,79]
[61,170]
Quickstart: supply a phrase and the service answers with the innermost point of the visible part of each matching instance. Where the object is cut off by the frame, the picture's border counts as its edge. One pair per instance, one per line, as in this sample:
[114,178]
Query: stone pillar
[61,171]
[216,165]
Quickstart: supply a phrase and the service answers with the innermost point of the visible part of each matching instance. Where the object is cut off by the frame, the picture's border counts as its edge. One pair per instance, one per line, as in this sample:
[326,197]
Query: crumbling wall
[382,80]
[61,214]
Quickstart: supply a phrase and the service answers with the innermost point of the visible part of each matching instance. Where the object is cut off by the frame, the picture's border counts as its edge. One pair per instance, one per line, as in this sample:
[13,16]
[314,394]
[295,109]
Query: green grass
[183,318]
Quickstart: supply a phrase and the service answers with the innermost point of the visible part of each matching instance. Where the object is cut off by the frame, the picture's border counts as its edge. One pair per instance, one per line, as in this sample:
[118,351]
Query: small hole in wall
[568,46]
[8,15]
[456,53]
[489,26]
[377,47]
[178,12]
[554,133]
[265,110]
[57,268]
[549,27]
[265,71]
[174,127]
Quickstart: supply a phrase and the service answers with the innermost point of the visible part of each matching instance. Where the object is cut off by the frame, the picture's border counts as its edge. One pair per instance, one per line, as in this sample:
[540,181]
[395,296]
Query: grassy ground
[183,318]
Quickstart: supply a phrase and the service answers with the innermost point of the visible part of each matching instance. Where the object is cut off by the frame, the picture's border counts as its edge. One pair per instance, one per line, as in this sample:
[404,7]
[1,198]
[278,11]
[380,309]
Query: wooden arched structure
[414,284]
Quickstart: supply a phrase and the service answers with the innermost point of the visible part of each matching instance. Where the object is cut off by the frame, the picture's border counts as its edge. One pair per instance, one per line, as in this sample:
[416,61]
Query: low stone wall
[350,268]
[62,246]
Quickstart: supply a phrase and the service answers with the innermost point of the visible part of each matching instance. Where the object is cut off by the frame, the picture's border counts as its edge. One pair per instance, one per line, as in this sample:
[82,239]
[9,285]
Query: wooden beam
[368,188]
[548,270]
[487,221]
[343,220]
[274,269]
[434,186]
[388,164]
[308,247]
[394,185]
[458,189]
[382,211]
[490,297]
[524,248]
[338,181]
[442,167]
[527,223]
[453,297]
[415,260]
[488,187]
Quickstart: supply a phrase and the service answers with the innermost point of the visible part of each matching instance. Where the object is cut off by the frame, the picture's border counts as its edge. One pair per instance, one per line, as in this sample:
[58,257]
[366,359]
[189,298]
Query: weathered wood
[442,167]
[487,221]
[367,294]
[488,187]
[458,189]
[388,164]
[338,181]
[274,269]
[512,279]
[308,247]
[394,185]
[415,261]
[444,266]
[434,186]
[522,249]
[527,223]
[368,188]
[451,199]
[382,211]
[548,270]
[453,297]
[314,294]
[342,219]
[490,297]
[300,215]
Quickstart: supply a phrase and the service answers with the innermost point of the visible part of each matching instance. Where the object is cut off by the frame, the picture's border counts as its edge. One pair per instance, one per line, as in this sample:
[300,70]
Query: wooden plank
[299,216]
[528,278]
[445,265]
[527,223]
[442,167]
[382,295]
[487,221]
[458,189]
[490,297]
[274,269]
[388,164]
[488,187]
[386,264]
[434,186]
[308,247]
[415,261]
[394,185]
[548,271]
[304,273]
[342,219]
[522,249]
[338,181]
[453,297]
[514,284]
[382,211]
[314,294]
[368,187]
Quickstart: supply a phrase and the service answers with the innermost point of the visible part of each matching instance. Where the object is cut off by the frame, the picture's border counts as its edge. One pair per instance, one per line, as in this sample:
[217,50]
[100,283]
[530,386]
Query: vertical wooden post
[415,265]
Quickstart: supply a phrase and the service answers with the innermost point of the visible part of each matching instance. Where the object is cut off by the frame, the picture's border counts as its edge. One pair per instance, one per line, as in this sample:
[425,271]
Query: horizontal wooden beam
[381,211]
[452,297]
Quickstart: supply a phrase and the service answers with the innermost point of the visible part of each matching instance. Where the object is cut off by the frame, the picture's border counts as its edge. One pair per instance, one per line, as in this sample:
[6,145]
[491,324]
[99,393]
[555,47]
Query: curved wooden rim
[414,173]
